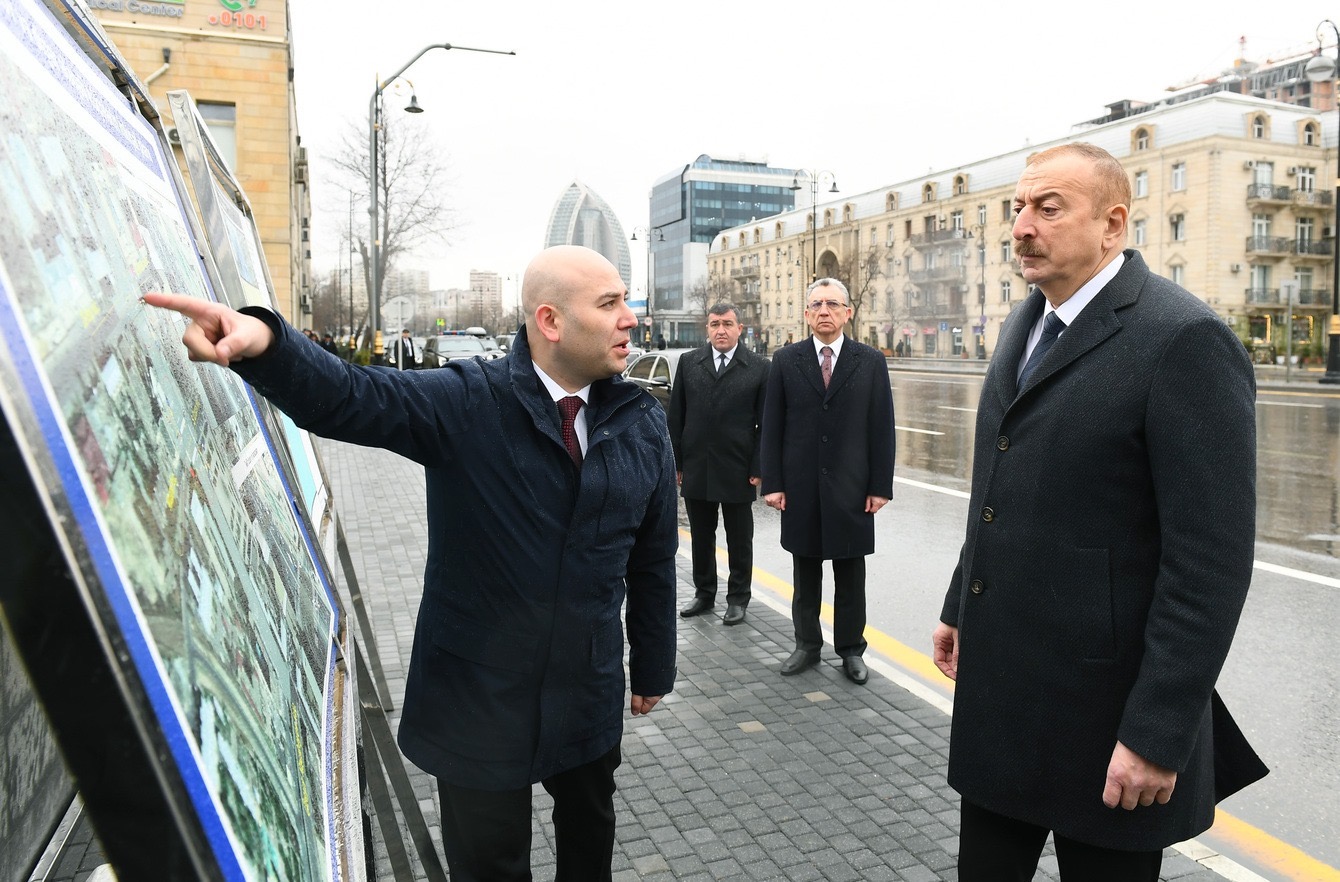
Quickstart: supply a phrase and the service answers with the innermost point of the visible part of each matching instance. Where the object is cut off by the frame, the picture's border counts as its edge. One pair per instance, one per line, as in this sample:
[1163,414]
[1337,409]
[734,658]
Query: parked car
[443,348]
[656,371]
[505,341]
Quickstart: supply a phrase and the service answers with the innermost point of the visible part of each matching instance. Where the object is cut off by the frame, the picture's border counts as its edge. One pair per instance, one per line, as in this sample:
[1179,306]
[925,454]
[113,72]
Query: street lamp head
[413,104]
[1320,69]
[834,188]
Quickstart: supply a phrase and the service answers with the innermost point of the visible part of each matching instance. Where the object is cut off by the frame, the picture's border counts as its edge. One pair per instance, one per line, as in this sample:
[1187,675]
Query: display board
[158,476]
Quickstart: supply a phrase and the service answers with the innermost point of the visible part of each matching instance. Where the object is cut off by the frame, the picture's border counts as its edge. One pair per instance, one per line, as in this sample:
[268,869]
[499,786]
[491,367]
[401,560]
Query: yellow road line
[1234,833]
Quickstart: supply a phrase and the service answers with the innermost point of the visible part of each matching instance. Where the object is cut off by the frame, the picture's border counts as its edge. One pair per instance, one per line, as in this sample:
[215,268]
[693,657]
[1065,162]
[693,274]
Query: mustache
[1027,249]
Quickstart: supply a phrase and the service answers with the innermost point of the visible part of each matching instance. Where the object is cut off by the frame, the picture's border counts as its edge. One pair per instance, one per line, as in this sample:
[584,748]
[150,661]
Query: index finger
[191,307]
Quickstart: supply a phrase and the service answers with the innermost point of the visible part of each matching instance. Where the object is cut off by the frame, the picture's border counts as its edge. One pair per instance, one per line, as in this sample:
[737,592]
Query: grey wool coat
[715,421]
[517,671]
[1108,554]
[828,449]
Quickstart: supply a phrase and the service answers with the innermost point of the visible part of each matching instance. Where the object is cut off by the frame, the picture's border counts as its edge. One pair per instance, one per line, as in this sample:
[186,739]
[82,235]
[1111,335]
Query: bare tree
[411,181]
[860,271]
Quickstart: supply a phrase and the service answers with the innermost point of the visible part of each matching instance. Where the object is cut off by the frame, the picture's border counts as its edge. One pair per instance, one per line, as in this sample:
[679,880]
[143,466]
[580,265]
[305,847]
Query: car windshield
[459,346]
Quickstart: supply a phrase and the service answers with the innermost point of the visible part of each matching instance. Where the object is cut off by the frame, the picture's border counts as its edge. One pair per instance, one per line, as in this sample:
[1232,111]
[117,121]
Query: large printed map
[211,579]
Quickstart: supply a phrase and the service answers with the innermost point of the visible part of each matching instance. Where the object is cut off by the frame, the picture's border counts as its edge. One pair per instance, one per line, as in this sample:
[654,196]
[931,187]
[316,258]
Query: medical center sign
[238,15]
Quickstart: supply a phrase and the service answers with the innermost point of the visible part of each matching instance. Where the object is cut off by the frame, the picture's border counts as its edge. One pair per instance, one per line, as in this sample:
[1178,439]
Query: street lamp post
[814,178]
[1319,70]
[651,234]
[374,124]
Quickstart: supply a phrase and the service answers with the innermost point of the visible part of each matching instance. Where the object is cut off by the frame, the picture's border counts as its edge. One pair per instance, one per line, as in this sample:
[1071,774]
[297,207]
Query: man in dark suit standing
[1108,552]
[716,413]
[827,454]
[402,353]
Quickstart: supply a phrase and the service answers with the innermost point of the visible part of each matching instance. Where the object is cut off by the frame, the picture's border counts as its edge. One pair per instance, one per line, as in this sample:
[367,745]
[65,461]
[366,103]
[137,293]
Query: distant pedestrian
[402,352]
[898,350]
[827,453]
[328,343]
[715,415]
[551,521]
[1108,552]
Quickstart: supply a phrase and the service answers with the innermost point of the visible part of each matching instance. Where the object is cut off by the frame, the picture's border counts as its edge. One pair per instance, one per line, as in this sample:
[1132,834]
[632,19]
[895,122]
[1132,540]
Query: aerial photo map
[212,579]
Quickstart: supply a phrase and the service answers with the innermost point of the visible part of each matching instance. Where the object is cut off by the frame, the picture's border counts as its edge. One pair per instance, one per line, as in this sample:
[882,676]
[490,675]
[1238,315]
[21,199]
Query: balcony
[748,271]
[1314,297]
[1312,198]
[939,274]
[1263,296]
[1269,193]
[1269,246]
[1316,248]
[920,240]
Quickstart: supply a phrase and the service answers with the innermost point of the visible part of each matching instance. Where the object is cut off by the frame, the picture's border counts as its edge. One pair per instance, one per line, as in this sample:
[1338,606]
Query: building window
[1259,127]
[956,221]
[1141,187]
[1005,291]
[1006,252]
[928,193]
[888,237]
[1310,137]
[1178,227]
[1138,232]
[1006,210]
[1178,275]
[1260,226]
[960,185]
[1178,176]
[891,202]
[1305,229]
[221,120]
[981,215]
[1305,178]
[1142,139]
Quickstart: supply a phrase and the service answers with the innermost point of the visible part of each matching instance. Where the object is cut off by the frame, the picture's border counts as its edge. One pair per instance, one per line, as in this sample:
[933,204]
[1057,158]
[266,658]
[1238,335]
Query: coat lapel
[1010,347]
[843,369]
[1095,323]
[809,365]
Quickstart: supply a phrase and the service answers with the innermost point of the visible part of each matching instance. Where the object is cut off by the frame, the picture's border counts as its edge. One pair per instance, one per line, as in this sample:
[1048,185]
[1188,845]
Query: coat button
[824,471]
[1002,443]
[976,586]
[823,438]
[988,514]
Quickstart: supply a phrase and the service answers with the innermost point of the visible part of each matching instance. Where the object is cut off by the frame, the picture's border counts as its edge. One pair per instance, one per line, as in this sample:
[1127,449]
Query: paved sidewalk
[740,773]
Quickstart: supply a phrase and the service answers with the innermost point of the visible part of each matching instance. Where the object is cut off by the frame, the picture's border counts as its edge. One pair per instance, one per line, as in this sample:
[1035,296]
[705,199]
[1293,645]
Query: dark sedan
[655,371]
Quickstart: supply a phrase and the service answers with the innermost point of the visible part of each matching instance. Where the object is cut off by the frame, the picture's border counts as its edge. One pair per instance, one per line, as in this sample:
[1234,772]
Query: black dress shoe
[854,667]
[800,660]
[697,608]
[734,615]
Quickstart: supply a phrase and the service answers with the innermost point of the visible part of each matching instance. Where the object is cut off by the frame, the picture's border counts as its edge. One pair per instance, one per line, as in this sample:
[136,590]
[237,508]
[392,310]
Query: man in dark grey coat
[827,455]
[1108,552]
[716,413]
[551,501]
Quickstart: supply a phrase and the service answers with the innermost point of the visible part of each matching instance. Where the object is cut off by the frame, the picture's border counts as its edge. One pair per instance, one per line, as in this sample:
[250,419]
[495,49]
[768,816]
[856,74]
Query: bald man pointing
[551,500]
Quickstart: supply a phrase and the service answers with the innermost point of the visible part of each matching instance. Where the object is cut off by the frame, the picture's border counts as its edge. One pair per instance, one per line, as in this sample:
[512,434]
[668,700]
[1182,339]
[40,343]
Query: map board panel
[158,470]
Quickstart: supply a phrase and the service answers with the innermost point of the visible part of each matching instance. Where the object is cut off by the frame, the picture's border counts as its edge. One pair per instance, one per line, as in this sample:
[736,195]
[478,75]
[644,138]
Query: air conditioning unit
[173,135]
[1249,165]
[300,173]
[1235,268]
[1293,170]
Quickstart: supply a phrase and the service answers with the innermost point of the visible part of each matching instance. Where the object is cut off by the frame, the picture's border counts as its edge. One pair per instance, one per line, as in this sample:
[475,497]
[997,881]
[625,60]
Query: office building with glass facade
[689,207]
[581,217]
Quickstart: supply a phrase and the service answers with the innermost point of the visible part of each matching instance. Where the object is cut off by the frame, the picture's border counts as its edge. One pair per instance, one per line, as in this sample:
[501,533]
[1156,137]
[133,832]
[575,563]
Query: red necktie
[568,407]
[827,366]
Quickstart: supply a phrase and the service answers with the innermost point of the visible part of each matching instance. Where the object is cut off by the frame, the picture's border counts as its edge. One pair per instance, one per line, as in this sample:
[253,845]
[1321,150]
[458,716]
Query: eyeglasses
[832,305]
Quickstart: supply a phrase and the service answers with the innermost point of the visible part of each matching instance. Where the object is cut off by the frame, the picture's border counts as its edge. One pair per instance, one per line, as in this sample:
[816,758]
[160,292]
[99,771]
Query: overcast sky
[617,94]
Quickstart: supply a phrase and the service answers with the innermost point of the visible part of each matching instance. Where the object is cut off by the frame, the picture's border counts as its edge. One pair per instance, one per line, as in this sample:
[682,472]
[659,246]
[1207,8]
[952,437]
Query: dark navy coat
[828,449]
[1109,548]
[715,420]
[517,671]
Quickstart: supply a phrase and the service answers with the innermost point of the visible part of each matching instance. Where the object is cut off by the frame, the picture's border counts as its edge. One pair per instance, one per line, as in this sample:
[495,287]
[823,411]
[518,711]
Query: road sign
[647,321]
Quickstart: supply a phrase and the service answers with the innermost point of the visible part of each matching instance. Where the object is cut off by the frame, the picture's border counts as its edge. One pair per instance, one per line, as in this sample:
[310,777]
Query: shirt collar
[836,345]
[556,391]
[729,353]
[1070,310]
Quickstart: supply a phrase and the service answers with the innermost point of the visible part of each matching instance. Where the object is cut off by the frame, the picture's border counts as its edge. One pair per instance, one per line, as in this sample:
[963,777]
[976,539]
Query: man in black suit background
[716,413]
[402,353]
[827,454]
[1109,548]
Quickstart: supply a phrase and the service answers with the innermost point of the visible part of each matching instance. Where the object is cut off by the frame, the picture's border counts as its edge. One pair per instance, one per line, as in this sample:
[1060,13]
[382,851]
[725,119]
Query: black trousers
[994,848]
[739,520]
[848,603]
[486,833]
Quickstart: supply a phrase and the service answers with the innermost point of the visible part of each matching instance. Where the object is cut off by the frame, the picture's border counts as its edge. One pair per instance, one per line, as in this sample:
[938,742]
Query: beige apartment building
[1233,199]
[235,58]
